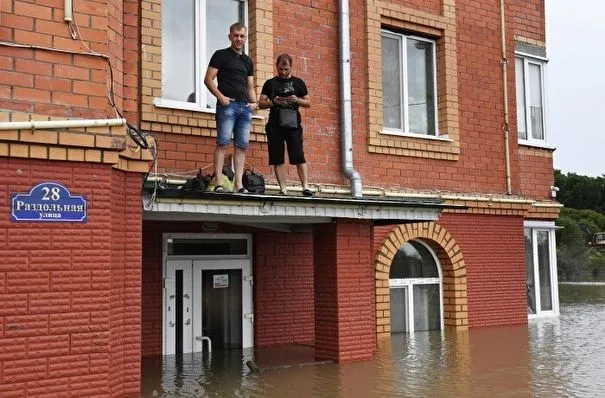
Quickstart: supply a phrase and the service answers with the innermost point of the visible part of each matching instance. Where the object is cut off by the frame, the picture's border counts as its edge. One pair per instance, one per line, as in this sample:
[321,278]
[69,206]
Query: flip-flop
[219,189]
[307,192]
[282,193]
[242,190]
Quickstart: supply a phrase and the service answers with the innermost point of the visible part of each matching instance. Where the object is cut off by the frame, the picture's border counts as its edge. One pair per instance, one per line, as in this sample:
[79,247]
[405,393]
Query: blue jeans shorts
[233,120]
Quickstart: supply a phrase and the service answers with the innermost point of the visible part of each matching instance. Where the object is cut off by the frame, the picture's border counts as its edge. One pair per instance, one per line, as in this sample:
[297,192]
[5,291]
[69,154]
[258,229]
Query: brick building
[442,219]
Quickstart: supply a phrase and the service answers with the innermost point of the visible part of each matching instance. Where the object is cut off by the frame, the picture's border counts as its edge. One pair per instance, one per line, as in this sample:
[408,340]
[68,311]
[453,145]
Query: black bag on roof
[253,181]
[199,183]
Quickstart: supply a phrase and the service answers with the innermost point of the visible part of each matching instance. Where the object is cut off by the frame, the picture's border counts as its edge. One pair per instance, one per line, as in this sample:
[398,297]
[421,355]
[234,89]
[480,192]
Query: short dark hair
[237,26]
[281,58]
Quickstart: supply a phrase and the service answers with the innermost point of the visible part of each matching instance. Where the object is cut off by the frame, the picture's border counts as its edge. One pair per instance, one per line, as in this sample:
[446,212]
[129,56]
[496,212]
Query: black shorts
[293,139]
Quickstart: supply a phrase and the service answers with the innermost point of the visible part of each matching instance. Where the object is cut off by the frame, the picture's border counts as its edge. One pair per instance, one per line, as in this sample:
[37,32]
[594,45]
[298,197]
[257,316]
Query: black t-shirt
[283,88]
[233,72]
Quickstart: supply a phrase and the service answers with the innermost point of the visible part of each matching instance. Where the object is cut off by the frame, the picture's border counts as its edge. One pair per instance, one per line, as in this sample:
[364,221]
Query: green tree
[581,192]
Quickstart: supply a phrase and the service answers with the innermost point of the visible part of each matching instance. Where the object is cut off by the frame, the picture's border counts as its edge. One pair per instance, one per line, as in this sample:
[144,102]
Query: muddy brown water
[556,357]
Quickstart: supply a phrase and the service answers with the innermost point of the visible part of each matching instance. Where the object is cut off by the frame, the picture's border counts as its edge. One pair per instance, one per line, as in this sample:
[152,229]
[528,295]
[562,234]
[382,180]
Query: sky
[576,85]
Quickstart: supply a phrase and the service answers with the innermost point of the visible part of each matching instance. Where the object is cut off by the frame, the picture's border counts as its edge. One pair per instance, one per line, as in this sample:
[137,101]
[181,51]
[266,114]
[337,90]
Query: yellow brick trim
[536,151]
[454,283]
[443,26]
[527,40]
[158,119]
[92,144]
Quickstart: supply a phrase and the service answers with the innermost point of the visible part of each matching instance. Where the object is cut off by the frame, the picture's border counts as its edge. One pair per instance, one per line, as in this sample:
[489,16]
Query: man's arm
[304,102]
[264,102]
[252,104]
[211,73]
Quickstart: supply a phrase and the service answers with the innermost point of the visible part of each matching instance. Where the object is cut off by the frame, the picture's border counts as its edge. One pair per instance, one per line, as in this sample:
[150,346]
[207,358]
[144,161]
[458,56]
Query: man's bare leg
[282,177]
[219,158]
[239,159]
[303,175]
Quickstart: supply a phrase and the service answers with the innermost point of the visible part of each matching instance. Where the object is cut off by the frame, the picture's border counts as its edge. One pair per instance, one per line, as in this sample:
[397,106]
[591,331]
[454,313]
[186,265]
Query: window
[541,269]
[191,31]
[530,99]
[409,89]
[415,290]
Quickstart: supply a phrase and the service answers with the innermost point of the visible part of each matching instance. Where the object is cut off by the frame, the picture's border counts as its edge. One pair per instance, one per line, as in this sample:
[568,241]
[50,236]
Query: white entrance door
[207,298]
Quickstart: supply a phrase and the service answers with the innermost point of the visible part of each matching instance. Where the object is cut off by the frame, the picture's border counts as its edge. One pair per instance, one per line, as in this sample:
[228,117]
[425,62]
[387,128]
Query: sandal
[281,193]
[242,190]
[307,192]
[219,189]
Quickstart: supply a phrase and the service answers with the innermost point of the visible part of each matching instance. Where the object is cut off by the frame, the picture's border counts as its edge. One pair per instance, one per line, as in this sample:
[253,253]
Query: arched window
[415,287]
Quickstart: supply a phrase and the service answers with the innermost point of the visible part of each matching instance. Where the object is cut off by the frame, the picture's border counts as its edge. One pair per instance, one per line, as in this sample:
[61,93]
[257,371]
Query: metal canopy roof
[176,205]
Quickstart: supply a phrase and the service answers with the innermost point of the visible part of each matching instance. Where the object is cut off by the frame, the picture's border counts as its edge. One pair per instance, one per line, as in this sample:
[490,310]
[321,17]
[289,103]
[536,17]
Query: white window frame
[550,228]
[404,92]
[528,59]
[409,283]
[201,63]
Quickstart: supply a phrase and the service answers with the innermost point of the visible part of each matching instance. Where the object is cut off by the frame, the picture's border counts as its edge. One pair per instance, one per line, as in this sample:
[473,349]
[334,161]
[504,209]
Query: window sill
[442,137]
[189,106]
[542,315]
[536,144]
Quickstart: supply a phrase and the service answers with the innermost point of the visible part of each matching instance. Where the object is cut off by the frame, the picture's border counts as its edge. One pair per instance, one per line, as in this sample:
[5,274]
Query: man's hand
[280,100]
[224,101]
[252,106]
[292,99]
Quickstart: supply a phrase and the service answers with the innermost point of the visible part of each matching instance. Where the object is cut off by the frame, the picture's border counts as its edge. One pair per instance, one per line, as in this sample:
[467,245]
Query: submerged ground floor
[147,275]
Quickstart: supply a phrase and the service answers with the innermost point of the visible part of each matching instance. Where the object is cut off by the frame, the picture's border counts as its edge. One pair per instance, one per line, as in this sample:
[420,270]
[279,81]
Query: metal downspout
[345,104]
[506,128]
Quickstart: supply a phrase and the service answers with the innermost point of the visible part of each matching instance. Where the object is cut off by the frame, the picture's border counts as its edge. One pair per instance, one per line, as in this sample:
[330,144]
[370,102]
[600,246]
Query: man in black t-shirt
[236,100]
[285,93]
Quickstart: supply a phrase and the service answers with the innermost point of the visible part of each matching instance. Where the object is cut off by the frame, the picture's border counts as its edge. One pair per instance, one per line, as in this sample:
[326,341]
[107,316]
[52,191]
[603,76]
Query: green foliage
[581,192]
[583,215]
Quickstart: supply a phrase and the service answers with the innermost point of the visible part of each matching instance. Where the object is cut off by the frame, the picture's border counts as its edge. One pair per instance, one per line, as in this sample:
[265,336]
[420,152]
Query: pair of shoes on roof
[305,192]
[221,189]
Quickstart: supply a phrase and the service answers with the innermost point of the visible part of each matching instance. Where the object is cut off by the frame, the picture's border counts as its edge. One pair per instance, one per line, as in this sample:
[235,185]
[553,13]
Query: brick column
[344,291]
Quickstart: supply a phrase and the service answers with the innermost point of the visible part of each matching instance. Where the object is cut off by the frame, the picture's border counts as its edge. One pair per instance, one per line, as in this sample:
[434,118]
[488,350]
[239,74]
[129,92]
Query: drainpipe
[504,63]
[61,124]
[345,104]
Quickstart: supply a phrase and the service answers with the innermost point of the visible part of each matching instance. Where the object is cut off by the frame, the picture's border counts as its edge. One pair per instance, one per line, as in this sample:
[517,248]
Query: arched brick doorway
[455,305]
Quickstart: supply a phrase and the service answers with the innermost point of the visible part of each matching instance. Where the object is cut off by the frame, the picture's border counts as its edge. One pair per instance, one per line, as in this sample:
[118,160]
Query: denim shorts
[233,120]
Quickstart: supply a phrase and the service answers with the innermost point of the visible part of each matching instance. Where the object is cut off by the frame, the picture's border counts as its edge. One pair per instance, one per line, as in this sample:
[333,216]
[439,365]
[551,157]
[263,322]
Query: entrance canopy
[250,209]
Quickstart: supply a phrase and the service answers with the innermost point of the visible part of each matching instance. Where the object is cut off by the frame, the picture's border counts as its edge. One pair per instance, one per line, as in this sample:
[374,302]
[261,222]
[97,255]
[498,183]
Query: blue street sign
[48,202]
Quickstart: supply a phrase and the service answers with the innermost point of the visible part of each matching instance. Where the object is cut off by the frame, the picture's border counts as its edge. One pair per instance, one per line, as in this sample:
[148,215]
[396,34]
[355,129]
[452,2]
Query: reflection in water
[562,357]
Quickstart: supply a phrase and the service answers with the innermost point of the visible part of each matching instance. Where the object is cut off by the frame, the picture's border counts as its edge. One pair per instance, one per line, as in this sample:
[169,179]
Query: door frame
[550,228]
[241,261]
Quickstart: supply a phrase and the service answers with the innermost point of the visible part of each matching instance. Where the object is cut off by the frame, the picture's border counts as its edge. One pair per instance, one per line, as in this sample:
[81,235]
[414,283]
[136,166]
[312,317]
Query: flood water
[556,357]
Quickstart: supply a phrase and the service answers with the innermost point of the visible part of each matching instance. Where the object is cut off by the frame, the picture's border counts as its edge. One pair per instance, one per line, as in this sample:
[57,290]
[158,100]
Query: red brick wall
[59,284]
[73,85]
[125,316]
[537,175]
[326,293]
[49,82]
[58,83]
[493,250]
[131,61]
[283,289]
[344,291]
[527,18]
